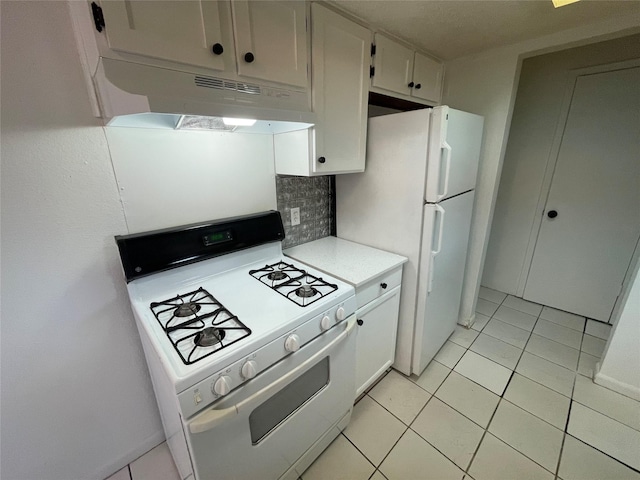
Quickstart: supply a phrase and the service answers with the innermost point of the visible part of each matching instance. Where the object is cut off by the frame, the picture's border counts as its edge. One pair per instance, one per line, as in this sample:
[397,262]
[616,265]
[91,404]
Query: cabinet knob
[217,49]
[418,86]
[322,160]
[360,321]
[411,84]
[383,285]
[552,214]
[248,57]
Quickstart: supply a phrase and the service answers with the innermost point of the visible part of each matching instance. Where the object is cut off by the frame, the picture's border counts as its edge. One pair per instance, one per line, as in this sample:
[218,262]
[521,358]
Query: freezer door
[455,139]
[442,261]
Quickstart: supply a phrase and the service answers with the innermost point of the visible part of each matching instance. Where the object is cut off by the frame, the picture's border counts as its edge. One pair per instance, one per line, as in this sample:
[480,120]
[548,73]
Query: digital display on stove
[217,237]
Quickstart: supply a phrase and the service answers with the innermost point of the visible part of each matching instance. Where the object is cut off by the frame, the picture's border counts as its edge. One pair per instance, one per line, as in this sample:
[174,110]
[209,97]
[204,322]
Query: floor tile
[593,345]
[553,351]
[522,305]
[122,474]
[378,476]
[449,431]
[612,404]
[565,319]
[400,396]
[496,350]
[605,434]
[340,460]
[486,307]
[531,436]
[491,295]
[496,460]
[414,458]
[480,322]
[515,318]
[547,373]
[156,464]
[481,370]
[587,364]
[449,354]
[538,400]
[582,462]
[432,377]
[469,398]
[558,333]
[463,336]
[507,333]
[373,430]
[598,329]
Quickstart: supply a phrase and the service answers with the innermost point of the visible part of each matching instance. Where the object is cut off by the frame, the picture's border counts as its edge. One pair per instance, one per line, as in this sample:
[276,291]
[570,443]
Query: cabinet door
[340,77]
[376,341]
[393,66]
[177,30]
[427,78]
[271,40]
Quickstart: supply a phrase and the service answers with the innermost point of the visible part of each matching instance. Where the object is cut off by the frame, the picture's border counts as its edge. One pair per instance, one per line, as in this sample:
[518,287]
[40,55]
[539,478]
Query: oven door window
[287,401]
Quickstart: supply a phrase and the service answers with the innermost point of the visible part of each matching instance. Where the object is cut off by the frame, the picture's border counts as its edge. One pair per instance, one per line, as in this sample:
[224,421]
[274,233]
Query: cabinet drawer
[373,289]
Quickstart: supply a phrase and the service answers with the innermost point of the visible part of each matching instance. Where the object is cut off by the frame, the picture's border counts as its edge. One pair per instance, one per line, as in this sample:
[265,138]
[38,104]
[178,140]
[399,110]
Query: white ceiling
[454,28]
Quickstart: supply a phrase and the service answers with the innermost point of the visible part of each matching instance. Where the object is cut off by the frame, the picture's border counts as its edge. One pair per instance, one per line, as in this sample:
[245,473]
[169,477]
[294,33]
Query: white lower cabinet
[376,340]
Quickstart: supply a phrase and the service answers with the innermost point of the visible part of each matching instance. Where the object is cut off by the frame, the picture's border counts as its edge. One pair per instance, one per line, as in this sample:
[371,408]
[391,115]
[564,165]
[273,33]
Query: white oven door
[260,430]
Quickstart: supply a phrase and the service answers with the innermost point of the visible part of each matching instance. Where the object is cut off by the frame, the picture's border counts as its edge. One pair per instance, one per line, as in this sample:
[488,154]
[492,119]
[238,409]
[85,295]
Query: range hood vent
[222,84]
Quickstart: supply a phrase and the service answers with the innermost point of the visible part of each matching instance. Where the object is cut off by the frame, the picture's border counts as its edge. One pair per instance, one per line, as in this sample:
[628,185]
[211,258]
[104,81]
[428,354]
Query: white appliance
[415,199]
[252,358]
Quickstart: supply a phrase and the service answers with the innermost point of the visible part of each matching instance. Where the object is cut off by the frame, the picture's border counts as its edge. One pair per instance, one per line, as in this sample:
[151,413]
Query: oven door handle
[214,417]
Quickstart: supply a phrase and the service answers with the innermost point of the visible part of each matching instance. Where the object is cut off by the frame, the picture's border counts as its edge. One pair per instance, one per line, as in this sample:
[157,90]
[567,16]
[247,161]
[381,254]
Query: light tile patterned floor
[511,398]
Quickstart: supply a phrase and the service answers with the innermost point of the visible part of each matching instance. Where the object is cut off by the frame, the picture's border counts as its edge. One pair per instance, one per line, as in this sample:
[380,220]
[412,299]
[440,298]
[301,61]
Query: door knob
[552,214]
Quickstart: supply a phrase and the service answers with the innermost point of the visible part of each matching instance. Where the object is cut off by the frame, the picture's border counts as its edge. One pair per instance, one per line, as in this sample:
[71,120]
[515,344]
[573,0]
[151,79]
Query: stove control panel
[242,370]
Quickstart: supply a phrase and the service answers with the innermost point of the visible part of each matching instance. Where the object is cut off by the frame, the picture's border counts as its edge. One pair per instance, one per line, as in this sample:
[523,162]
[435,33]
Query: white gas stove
[249,353]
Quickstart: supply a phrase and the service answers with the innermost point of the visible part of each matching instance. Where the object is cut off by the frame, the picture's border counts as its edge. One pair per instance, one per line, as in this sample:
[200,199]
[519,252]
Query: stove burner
[306,291]
[187,309]
[278,275]
[208,337]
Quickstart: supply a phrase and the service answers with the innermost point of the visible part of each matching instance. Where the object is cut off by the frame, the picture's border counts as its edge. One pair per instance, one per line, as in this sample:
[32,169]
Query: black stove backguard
[151,252]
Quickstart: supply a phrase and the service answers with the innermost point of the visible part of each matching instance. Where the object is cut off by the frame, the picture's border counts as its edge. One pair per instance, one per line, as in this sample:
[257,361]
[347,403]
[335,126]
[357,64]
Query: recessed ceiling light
[562,3]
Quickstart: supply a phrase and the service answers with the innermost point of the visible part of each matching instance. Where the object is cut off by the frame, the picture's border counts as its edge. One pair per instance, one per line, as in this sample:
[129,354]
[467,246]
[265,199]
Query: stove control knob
[292,343]
[340,314]
[249,369]
[222,385]
[325,323]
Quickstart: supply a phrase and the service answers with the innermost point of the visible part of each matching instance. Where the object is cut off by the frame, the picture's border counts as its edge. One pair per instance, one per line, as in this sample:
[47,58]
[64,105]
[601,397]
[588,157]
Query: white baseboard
[468,322]
[625,389]
[151,442]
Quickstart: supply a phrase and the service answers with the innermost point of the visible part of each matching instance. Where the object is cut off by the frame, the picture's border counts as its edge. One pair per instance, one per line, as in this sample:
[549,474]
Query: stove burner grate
[198,325]
[297,285]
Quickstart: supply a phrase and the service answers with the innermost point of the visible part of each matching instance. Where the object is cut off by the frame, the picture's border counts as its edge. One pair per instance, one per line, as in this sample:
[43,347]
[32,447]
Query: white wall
[486,84]
[541,91]
[620,366]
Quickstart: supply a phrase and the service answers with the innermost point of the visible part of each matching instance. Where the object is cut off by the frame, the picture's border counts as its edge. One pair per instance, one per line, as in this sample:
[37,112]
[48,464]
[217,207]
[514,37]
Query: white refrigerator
[415,199]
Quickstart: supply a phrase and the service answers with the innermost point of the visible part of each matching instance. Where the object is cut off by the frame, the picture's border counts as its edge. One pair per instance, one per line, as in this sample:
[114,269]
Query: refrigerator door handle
[435,252]
[447,159]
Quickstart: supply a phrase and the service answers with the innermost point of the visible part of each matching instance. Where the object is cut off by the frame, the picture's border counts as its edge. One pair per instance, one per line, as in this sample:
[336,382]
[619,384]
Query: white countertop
[351,262]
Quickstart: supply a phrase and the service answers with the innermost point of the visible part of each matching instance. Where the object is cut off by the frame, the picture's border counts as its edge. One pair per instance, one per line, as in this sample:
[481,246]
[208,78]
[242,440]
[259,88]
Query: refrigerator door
[455,139]
[441,273]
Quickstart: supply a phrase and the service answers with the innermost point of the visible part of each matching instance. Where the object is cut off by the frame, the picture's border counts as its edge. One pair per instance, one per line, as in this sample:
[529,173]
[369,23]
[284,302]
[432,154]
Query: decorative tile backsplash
[313,195]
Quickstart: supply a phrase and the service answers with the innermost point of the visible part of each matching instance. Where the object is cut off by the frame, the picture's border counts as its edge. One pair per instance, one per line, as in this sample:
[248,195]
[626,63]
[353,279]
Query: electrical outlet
[295,216]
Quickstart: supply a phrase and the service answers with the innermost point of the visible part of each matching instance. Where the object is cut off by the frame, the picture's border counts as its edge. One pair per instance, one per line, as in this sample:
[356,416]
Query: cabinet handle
[248,57]
[360,322]
[322,160]
[383,285]
[217,49]
[418,86]
[410,84]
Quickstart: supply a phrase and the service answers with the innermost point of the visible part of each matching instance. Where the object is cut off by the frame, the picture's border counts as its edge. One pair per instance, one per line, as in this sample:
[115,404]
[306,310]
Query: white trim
[615,385]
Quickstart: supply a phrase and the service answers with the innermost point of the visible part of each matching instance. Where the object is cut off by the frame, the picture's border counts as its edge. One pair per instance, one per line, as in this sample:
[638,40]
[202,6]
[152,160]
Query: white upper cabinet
[264,40]
[393,66]
[340,78]
[403,71]
[271,40]
[192,32]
